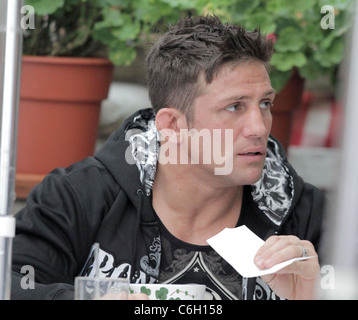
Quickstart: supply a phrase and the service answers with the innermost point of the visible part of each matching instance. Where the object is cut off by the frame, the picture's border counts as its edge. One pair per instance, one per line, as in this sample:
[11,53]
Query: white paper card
[238,246]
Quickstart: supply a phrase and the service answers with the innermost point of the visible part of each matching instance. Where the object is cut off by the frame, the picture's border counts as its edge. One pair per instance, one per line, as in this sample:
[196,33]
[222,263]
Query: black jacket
[106,199]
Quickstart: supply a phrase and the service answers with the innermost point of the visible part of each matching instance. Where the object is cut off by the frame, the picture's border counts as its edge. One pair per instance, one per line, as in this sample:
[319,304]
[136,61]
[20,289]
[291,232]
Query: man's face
[239,100]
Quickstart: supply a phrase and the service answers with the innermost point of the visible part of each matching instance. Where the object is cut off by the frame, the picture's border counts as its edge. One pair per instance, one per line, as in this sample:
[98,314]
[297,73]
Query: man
[153,195]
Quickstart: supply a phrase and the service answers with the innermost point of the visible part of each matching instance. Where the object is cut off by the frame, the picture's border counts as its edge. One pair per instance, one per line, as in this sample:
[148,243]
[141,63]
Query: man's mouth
[251,154]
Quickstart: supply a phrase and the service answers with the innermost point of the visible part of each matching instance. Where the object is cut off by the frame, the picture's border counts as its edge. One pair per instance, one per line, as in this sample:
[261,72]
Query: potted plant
[309,45]
[61,90]
[67,66]
[112,30]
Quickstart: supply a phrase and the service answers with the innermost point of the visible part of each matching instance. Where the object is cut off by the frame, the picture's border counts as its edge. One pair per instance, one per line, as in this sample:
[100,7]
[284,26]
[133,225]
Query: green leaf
[278,7]
[114,3]
[243,8]
[312,70]
[45,7]
[129,30]
[161,294]
[288,8]
[111,18]
[289,39]
[262,20]
[153,11]
[103,34]
[279,78]
[145,290]
[313,34]
[122,55]
[285,61]
[330,56]
[337,4]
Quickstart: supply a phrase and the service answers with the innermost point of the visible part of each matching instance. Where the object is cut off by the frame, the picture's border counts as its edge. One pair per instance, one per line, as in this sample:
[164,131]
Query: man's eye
[266,105]
[233,107]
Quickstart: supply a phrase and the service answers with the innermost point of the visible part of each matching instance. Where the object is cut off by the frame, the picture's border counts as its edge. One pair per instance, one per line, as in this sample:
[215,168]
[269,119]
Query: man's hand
[123,296]
[298,280]
[138,296]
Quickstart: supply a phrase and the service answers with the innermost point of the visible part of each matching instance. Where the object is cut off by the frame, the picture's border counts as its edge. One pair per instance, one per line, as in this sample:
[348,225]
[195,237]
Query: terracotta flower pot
[286,103]
[60,101]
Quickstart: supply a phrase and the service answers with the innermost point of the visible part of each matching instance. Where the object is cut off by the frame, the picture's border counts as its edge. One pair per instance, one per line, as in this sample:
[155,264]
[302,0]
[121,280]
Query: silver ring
[304,252]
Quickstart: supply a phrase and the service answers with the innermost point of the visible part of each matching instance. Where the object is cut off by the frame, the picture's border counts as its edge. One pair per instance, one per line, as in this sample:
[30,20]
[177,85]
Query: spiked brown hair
[198,46]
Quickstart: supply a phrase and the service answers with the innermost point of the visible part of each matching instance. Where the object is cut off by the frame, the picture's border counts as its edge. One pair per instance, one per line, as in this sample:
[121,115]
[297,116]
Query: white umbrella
[341,239]
[10,66]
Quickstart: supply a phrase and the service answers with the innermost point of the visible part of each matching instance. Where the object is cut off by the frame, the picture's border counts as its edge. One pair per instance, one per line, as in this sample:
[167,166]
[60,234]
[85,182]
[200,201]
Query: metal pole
[10,66]
[342,238]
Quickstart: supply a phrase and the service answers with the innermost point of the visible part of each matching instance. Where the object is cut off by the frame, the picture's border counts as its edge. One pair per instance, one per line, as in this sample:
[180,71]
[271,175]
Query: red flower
[272,36]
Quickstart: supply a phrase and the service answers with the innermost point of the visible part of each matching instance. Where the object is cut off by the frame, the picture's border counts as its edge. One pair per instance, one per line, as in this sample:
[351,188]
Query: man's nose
[254,123]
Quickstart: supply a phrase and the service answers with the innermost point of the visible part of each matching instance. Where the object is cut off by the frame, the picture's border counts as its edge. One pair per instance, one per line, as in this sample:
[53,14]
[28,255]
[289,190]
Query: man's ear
[170,119]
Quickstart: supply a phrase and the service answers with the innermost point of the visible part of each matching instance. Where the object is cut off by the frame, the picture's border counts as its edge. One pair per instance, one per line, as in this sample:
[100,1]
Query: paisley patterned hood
[273,193]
